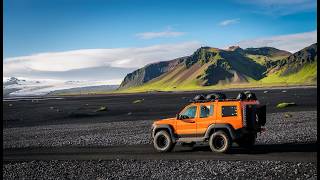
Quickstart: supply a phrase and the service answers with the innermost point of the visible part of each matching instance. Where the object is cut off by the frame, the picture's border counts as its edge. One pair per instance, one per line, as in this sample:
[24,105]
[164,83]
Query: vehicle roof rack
[212,100]
[200,101]
[218,96]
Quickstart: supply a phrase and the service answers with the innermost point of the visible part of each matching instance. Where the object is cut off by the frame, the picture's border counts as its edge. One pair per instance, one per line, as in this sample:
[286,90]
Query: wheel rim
[162,141]
[219,142]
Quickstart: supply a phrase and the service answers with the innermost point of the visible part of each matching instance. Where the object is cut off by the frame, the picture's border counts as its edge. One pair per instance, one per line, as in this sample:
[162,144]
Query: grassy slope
[257,58]
[262,59]
[167,83]
[305,75]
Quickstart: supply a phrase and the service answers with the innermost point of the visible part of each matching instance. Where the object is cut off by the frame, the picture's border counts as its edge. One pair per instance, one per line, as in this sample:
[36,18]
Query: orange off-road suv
[213,119]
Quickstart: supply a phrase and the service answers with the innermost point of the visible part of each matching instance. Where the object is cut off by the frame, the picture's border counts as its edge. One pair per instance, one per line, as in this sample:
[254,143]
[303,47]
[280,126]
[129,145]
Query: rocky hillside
[297,61]
[209,66]
[267,51]
[300,67]
[149,72]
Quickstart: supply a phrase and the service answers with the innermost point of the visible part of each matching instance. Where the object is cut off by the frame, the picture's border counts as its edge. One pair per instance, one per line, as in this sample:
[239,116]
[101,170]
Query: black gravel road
[280,152]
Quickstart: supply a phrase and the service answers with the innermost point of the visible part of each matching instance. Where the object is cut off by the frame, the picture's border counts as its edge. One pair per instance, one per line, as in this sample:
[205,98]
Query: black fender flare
[166,127]
[228,127]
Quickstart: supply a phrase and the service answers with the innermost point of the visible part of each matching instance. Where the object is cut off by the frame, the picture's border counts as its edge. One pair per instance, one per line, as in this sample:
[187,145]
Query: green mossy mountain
[267,51]
[149,72]
[295,62]
[209,66]
[300,67]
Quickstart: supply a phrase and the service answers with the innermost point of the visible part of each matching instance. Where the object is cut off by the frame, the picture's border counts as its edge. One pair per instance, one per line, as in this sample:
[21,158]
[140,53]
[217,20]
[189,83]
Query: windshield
[190,112]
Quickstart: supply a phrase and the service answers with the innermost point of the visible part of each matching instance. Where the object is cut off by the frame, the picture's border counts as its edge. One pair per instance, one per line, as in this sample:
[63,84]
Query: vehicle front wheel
[162,142]
[219,142]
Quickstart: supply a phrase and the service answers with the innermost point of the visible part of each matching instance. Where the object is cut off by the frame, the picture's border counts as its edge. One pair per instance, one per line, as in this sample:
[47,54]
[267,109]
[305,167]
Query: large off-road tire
[162,141]
[250,95]
[220,142]
[247,141]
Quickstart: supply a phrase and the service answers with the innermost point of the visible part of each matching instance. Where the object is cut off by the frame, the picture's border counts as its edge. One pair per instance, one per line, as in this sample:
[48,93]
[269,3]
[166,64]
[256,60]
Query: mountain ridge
[209,66]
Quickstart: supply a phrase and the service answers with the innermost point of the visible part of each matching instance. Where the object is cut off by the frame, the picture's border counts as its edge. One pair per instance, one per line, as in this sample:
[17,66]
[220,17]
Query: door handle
[189,121]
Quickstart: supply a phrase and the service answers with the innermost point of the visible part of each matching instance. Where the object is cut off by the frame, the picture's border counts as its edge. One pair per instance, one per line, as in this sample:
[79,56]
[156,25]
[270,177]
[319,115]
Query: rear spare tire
[250,95]
[219,142]
[162,141]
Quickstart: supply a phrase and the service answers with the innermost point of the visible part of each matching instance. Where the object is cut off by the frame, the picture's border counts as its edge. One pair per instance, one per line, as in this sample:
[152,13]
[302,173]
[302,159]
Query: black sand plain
[41,139]
[120,107]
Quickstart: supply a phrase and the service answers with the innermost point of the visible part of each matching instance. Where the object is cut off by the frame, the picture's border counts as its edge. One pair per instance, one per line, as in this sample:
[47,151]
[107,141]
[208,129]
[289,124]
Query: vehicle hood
[165,121]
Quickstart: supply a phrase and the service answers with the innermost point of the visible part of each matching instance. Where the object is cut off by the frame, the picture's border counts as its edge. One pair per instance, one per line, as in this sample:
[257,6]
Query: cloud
[106,74]
[282,2]
[289,42]
[152,35]
[229,22]
[58,62]
[281,7]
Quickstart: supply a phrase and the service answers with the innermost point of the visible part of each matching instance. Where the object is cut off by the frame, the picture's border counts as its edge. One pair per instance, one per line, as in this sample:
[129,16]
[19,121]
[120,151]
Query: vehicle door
[186,126]
[206,118]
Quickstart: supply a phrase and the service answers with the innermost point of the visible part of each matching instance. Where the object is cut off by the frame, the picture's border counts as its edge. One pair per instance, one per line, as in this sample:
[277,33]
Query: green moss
[257,58]
[284,104]
[287,115]
[102,108]
[138,101]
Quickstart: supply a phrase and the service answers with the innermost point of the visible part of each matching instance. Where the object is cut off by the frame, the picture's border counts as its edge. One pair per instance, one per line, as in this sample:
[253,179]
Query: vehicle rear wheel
[219,142]
[247,141]
[162,142]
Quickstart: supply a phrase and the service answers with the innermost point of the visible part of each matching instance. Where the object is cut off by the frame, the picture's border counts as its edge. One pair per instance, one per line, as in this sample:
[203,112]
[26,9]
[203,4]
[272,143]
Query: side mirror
[178,116]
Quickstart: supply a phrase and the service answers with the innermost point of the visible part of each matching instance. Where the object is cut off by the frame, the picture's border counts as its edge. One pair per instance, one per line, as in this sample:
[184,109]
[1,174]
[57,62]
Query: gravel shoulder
[159,169]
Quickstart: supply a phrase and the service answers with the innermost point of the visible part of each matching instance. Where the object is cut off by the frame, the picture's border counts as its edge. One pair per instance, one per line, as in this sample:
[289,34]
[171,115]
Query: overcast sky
[58,38]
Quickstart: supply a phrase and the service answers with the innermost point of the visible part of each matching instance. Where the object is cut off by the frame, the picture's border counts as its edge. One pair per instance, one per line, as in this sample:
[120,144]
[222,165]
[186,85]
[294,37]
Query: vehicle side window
[190,112]
[206,111]
[229,111]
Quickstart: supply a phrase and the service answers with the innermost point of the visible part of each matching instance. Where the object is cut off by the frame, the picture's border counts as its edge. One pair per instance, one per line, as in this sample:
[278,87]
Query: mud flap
[250,115]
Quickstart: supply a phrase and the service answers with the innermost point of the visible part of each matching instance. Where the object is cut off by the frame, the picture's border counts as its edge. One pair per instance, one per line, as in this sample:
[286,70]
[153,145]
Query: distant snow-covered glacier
[19,86]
